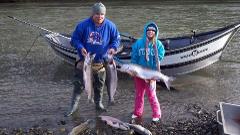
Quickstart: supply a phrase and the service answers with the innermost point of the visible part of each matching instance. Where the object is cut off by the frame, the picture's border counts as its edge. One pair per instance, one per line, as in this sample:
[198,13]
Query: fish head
[128,68]
[123,67]
[108,58]
[113,122]
[92,56]
[89,58]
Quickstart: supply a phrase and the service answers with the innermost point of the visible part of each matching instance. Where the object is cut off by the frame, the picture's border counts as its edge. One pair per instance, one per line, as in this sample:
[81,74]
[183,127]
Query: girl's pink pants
[141,86]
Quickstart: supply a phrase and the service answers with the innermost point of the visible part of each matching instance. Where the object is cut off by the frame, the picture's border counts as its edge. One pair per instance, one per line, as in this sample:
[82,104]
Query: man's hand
[84,52]
[111,51]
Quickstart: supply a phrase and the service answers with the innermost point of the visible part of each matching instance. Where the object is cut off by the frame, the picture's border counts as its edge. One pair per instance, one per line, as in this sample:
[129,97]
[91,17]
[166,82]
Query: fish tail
[90,100]
[92,56]
[168,82]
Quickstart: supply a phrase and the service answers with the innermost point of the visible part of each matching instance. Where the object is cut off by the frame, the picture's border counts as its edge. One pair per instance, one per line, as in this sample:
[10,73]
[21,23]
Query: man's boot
[100,107]
[74,105]
[75,100]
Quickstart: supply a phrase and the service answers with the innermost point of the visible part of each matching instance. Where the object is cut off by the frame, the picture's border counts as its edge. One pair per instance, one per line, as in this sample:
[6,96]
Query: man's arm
[76,40]
[115,38]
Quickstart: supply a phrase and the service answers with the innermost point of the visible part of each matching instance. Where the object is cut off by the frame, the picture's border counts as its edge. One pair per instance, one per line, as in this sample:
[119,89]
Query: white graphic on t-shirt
[95,38]
[141,51]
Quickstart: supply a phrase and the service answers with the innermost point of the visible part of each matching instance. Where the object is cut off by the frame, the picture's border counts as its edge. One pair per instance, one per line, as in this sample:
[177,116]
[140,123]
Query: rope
[33,25]
[31,47]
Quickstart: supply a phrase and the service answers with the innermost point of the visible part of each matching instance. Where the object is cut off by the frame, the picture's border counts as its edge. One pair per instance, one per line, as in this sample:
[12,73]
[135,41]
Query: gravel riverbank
[201,123]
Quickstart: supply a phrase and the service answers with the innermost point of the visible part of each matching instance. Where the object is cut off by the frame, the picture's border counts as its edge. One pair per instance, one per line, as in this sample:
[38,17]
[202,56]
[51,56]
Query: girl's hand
[146,81]
[149,80]
[152,84]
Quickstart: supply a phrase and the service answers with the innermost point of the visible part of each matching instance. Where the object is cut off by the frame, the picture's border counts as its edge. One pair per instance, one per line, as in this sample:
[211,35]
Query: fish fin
[90,100]
[114,64]
[168,82]
[134,73]
[154,78]
[92,56]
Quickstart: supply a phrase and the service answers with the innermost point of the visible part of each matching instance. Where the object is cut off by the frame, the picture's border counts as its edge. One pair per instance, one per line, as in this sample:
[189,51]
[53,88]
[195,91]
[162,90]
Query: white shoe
[134,116]
[155,119]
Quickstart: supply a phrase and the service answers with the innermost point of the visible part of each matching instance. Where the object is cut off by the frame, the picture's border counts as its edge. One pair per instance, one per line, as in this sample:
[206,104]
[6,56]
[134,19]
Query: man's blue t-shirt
[94,39]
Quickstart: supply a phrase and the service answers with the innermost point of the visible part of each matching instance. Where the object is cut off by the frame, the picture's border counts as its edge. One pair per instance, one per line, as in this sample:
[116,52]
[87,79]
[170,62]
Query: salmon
[118,124]
[87,75]
[111,78]
[139,129]
[145,73]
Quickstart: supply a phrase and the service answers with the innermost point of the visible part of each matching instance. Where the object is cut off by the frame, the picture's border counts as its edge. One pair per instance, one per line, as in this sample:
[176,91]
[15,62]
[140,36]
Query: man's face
[98,18]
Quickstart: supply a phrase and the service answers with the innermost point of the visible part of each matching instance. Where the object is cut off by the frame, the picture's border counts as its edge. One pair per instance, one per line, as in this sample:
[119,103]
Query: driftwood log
[80,129]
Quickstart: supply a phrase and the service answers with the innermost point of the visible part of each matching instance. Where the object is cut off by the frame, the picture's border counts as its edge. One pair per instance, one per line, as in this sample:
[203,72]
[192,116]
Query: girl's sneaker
[136,120]
[155,120]
[134,116]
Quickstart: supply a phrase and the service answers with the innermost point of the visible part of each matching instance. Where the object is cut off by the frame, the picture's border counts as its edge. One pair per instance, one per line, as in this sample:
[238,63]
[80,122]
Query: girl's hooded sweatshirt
[138,50]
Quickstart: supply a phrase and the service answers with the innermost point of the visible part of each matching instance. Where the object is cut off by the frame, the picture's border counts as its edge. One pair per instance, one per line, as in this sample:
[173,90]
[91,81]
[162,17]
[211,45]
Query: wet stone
[170,128]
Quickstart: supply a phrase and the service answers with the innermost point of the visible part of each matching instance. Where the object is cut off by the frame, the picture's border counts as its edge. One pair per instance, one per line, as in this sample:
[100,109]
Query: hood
[144,37]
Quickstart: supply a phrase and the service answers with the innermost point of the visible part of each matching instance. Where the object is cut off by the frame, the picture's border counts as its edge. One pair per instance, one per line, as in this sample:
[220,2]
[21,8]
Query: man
[96,35]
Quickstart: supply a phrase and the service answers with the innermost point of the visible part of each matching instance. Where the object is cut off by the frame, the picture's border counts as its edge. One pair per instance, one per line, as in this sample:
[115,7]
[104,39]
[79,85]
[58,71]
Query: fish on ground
[111,78]
[139,129]
[118,124]
[145,73]
[113,122]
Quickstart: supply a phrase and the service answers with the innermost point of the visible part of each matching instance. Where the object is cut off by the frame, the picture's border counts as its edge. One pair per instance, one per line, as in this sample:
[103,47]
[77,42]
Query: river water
[35,90]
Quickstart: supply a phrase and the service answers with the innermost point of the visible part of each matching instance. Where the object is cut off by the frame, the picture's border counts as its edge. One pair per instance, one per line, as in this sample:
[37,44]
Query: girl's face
[150,34]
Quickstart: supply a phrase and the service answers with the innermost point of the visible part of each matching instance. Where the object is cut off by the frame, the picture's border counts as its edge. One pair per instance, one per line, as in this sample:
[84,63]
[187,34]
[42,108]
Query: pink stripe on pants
[140,88]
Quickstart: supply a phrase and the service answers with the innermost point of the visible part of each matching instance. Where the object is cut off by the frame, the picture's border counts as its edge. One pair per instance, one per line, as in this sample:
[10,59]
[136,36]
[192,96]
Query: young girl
[147,52]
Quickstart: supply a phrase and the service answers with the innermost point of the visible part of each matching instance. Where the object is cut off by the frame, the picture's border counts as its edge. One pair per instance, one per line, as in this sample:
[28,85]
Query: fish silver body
[145,73]
[87,75]
[139,129]
[118,124]
[113,122]
[111,78]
